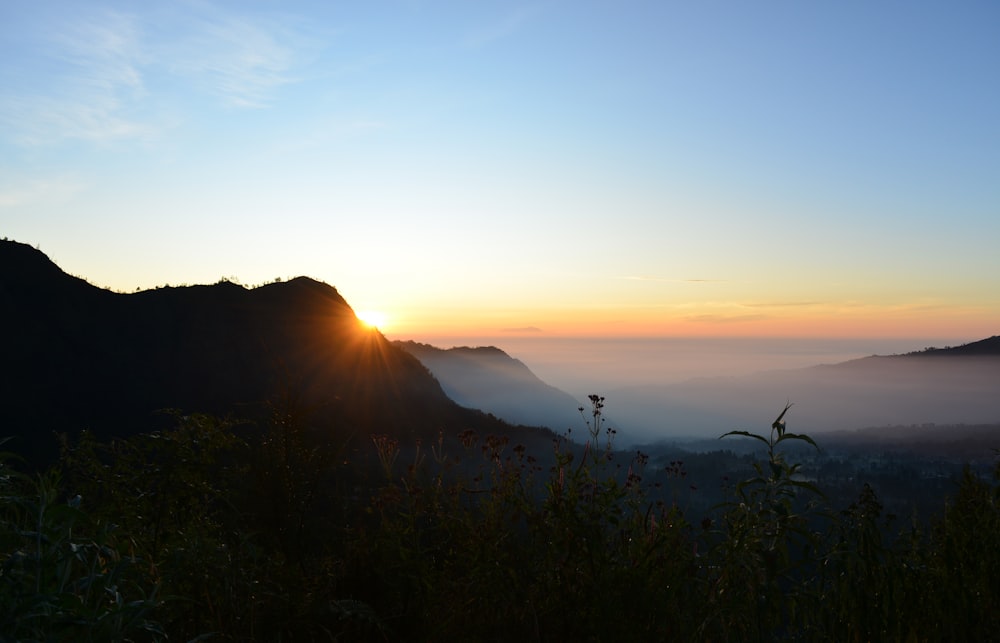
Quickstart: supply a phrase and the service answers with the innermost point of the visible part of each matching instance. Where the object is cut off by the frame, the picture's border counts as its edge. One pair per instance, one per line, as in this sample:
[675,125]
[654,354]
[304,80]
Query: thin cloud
[904,308]
[44,120]
[725,319]
[505,27]
[103,63]
[105,49]
[98,61]
[243,60]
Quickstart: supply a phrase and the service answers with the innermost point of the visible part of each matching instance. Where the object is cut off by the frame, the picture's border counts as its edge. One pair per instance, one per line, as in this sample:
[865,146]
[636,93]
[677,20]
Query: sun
[372,318]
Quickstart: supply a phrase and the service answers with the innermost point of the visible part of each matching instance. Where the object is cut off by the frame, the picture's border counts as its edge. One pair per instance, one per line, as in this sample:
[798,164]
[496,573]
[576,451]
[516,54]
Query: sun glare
[372,318]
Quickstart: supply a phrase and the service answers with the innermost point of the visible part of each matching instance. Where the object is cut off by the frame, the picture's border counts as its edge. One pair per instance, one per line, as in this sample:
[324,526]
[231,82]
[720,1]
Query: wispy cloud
[242,59]
[104,49]
[725,319]
[504,27]
[97,75]
[95,63]
[42,120]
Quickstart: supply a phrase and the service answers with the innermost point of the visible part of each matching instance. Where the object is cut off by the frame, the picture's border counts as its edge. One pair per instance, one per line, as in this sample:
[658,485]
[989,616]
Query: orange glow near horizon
[846,322]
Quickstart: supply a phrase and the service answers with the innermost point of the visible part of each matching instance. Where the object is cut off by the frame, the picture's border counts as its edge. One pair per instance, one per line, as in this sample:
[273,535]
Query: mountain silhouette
[80,357]
[489,379]
[989,347]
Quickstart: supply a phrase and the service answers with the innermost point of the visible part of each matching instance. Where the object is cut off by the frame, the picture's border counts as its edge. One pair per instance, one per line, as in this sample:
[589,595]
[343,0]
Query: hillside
[80,357]
[989,347]
[489,379]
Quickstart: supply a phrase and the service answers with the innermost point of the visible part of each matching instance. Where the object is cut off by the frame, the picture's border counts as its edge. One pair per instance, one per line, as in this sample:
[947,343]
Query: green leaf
[746,434]
[798,436]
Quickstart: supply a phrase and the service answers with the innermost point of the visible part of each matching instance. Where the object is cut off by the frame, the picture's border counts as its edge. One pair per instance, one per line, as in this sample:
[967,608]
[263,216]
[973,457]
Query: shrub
[66,576]
[198,532]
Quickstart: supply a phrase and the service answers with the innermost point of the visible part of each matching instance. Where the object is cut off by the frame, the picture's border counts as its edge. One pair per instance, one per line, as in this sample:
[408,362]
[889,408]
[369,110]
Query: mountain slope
[989,347]
[81,357]
[489,379]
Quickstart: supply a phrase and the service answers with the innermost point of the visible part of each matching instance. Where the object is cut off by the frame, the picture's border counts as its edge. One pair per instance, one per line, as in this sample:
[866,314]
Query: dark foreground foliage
[204,533]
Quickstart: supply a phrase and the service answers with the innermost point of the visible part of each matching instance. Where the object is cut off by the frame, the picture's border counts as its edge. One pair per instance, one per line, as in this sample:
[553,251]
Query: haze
[585,365]
[668,389]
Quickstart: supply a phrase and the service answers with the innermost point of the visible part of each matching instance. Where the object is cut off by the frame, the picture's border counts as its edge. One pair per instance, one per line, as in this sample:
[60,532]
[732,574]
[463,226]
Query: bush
[66,576]
[200,532]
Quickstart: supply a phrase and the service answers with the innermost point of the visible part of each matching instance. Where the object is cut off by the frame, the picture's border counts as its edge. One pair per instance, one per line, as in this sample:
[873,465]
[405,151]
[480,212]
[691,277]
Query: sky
[598,169]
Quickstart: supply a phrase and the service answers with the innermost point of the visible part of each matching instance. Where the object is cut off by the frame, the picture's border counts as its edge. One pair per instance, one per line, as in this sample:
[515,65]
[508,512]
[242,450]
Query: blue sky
[709,168]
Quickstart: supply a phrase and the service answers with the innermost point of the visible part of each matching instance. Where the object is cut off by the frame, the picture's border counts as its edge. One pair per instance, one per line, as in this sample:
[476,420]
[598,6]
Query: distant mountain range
[77,357]
[488,379]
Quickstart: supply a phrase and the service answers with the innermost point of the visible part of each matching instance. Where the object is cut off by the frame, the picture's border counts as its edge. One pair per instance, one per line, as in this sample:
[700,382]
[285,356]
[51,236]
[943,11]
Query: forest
[216,529]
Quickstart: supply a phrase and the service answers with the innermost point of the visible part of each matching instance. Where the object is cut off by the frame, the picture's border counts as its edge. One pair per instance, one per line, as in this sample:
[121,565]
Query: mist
[676,389]
[584,365]
[875,392]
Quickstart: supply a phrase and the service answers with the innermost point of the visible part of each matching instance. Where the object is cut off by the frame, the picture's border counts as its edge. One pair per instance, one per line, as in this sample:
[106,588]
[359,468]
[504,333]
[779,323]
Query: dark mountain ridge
[989,347]
[80,357]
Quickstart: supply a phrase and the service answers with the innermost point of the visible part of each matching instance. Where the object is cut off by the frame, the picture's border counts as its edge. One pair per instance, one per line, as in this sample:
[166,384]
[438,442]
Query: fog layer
[674,388]
[872,392]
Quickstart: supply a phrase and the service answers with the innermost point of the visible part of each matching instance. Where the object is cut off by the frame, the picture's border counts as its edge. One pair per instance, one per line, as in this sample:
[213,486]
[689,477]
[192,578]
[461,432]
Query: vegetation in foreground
[203,533]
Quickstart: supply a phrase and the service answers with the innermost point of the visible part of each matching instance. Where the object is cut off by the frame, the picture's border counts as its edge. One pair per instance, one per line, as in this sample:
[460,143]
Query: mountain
[489,379]
[79,357]
[949,386]
[989,347]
